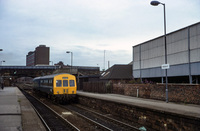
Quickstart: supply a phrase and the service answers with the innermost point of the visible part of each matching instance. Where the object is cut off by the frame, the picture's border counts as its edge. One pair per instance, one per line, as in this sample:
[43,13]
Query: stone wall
[143,117]
[176,92]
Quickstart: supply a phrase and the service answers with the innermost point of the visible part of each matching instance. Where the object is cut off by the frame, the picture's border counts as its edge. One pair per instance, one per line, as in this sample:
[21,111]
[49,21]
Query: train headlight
[72,92]
[57,92]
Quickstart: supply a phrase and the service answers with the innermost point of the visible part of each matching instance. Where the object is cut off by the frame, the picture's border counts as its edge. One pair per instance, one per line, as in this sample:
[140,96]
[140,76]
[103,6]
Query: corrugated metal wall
[183,54]
[152,53]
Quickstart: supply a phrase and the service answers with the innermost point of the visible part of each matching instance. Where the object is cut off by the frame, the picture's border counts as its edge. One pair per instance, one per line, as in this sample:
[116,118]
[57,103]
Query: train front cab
[64,85]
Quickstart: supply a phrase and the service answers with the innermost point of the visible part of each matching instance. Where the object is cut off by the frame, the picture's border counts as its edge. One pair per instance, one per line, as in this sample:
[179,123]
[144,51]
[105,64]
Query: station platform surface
[182,109]
[16,112]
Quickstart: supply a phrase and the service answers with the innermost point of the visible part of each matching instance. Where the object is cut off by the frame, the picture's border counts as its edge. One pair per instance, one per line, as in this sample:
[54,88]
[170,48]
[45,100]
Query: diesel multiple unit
[59,87]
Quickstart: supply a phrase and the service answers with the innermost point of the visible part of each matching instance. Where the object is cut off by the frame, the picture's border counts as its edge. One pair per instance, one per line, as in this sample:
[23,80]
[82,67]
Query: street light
[51,62]
[71,58]
[104,60]
[155,3]
[1,49]
[2,61]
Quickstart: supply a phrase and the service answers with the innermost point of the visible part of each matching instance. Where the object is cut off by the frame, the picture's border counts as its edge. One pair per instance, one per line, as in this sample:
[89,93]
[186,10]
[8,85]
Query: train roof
[49,76]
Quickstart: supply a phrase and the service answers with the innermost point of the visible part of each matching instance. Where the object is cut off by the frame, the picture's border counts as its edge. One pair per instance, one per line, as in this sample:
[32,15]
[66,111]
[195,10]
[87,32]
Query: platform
[182,109]
[16,112]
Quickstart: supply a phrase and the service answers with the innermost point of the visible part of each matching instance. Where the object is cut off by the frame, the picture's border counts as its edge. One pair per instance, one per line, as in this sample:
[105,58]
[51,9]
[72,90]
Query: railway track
[78,122]
[52,120]
[108,122]
[82,118]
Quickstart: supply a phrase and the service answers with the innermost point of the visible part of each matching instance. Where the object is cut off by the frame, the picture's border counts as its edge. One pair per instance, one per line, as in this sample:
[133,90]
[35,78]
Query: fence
[97,87]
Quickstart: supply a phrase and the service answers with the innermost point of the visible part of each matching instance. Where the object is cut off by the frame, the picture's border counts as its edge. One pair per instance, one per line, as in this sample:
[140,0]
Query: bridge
[26,71]
[11,73]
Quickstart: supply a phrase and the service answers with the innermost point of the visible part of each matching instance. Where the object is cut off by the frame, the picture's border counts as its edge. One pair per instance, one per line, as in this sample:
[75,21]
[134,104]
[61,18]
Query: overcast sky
[87,28]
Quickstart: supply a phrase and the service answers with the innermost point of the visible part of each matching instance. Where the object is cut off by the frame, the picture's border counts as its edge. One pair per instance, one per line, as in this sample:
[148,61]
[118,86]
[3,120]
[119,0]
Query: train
[58,87]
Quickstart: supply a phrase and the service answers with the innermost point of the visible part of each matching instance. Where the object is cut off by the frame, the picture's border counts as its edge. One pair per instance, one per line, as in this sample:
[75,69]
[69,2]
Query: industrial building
[38,57]
[183,57]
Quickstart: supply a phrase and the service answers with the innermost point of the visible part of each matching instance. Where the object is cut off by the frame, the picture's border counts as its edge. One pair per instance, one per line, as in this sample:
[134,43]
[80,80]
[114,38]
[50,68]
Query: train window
[50,82]
[65,83]
[58,83]
[46,82]
[71,83]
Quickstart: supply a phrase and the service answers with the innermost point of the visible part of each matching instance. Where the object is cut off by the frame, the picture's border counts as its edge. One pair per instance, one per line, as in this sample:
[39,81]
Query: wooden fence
[97,87]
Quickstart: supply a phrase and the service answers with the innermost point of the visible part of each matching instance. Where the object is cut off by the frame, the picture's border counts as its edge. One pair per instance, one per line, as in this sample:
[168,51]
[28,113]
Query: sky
[96,31]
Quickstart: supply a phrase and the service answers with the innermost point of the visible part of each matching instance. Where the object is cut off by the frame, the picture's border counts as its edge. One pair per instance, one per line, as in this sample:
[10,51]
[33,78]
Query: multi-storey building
[38,57]
[30,58]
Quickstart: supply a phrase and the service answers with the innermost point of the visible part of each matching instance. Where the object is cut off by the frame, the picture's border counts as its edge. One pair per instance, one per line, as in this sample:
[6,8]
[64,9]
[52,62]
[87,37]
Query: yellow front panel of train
[64,84]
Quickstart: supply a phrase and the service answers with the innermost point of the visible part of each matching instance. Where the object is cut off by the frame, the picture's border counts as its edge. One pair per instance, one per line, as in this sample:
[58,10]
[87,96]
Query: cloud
[87,27]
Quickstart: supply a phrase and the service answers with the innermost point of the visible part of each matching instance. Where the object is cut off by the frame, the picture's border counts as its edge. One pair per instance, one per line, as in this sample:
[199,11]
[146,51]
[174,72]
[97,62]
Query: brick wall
[176,92]
[140,116]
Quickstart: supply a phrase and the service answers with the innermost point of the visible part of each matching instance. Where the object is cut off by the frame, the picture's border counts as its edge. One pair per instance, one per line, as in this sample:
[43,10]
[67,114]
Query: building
[183,56]
[30,59]
[118,73]
[38,57]
[42,55]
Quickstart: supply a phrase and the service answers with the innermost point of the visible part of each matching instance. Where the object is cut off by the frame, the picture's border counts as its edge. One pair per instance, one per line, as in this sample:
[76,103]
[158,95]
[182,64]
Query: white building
[183,56]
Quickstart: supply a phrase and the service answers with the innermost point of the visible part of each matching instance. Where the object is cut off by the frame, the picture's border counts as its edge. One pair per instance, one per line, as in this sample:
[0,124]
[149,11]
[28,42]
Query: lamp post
[104,60]
[51,62]
[156,3]
[71,58]
[2,61]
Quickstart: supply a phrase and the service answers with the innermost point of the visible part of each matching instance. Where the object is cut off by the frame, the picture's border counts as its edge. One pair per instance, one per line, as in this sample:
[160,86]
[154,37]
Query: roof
[166,34]
[49,76]
[29,67]
[118,72]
